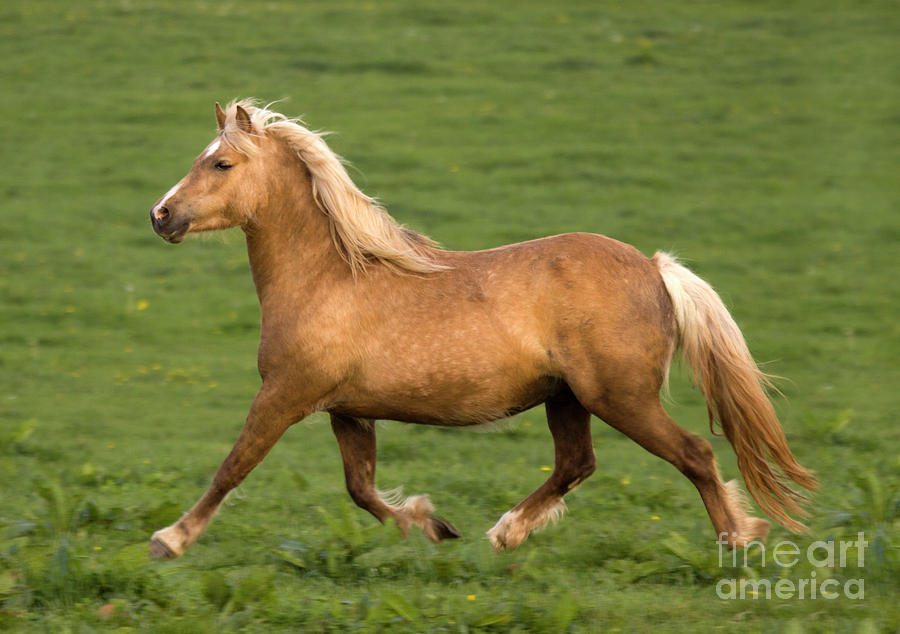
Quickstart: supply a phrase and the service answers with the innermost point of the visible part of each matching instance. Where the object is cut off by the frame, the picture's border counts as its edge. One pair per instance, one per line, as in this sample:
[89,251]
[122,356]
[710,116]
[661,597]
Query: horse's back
[570,276]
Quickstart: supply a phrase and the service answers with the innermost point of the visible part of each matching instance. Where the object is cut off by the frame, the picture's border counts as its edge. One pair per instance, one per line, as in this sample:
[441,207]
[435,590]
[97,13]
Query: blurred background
[756,140]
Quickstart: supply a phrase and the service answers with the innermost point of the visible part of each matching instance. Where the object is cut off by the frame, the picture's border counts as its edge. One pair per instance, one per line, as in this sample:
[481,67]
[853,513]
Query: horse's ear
[243,120]
[220,116]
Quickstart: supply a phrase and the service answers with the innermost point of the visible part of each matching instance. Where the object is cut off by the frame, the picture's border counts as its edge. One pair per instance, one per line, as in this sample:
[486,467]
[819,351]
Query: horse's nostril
[160,213]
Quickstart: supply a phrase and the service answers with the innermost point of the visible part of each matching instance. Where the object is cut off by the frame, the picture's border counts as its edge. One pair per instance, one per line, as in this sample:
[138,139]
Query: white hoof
[508,532]
[166,543]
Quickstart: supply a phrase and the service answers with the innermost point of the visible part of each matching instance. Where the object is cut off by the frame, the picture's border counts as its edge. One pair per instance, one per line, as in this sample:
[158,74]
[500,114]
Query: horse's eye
[223,166]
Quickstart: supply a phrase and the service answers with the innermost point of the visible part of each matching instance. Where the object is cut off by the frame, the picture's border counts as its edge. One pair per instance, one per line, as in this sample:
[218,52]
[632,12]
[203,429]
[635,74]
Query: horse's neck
[291,251]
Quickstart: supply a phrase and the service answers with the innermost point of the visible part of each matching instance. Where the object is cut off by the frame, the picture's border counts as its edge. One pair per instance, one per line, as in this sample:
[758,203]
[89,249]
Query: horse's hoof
[159,550]
[441,529]
[497,537]
[508,532]
[753,530]
[498,541]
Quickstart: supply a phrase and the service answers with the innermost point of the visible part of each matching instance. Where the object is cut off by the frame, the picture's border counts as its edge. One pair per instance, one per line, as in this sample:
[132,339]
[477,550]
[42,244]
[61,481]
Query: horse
[366,319]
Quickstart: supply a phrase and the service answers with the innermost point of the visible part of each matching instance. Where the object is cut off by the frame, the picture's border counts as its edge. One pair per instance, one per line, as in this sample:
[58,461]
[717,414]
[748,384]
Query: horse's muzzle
[163,224]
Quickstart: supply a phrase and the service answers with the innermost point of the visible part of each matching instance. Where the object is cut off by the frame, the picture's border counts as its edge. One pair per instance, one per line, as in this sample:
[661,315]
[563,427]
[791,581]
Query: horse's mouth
[174,236]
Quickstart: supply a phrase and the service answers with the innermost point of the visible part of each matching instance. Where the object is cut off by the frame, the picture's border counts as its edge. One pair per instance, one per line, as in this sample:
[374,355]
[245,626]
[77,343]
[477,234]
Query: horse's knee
[361,492]
[224,481]
[359,497]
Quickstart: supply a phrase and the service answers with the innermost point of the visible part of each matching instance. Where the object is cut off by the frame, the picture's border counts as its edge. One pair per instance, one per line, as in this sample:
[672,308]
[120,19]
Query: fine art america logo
[820,555]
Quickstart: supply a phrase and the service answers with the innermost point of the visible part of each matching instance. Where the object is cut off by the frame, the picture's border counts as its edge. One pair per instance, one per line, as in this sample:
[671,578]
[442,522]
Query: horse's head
[221,191]
[262,163]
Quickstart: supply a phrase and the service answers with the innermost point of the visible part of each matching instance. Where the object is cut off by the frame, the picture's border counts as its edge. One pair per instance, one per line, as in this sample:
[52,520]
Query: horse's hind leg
[644,420]
[570,425]
[356,439]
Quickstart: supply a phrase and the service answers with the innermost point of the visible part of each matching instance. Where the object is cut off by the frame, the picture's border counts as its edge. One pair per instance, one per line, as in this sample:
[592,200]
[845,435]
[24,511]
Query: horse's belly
[447,400]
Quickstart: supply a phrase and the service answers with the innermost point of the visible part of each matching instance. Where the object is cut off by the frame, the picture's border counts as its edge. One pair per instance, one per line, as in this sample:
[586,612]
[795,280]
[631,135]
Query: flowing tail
[735,389]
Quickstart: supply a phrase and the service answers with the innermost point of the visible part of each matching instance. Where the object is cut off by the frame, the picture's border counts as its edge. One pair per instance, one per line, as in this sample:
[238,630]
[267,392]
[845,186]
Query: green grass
[757,140]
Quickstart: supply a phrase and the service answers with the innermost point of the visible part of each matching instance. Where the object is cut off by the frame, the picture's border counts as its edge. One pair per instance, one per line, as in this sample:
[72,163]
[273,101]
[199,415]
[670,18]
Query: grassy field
[757,140]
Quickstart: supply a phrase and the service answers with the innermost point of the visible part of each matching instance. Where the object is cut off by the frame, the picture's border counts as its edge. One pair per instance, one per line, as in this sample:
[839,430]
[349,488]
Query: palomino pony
[365,319]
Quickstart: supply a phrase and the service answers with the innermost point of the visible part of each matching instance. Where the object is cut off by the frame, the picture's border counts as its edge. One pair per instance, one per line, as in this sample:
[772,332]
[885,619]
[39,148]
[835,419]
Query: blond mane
[361,229]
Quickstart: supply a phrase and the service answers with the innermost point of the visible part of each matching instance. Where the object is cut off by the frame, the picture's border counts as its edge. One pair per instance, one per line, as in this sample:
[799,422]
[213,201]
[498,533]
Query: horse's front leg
[356,439]
[267,421]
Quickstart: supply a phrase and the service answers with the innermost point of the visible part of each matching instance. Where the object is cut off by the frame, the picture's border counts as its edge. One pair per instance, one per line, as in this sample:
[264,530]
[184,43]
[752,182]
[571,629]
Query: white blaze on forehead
[212,148]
